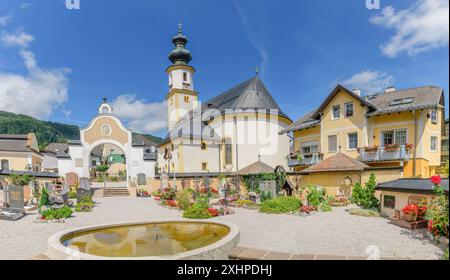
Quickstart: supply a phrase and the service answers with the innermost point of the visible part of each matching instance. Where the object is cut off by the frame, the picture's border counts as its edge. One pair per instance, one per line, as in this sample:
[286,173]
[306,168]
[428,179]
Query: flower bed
[411,212]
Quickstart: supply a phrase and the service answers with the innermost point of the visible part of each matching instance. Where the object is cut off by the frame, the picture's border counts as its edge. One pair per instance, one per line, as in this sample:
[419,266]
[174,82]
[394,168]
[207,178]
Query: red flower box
[213,212]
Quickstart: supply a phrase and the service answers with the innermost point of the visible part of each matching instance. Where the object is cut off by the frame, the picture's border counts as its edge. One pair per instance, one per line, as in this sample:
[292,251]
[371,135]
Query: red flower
[172,203]
[213,212]
[436,180]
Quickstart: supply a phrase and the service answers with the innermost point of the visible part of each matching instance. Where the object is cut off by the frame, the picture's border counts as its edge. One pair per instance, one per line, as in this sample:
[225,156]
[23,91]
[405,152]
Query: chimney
[357,91]
[390,89]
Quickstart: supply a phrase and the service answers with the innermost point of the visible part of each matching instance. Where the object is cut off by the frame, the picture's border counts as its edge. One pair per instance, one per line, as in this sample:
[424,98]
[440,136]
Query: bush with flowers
[306,209]
[437,210]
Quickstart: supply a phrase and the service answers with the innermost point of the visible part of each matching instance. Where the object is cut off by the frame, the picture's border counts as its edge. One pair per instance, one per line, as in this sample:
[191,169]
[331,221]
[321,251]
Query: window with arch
[4,164]
[228,152]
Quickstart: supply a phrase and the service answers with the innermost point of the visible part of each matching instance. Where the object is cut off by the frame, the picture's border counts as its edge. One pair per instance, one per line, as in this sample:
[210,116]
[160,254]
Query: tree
[20,180]
[365,196]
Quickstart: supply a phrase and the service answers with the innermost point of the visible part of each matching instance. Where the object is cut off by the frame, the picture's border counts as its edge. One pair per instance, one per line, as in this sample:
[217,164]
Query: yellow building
[395,133]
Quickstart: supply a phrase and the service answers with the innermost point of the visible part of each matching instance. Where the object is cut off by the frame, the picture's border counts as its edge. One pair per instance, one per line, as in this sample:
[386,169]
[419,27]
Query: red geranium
[414,209]
[172,203]
[213,212]
[436,180]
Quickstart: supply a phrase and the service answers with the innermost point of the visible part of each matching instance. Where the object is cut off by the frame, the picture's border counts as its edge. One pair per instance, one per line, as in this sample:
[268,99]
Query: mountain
[46,132]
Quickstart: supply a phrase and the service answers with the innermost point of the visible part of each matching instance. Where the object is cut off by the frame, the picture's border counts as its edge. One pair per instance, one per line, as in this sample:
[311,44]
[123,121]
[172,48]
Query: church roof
[249,95]
[338,162]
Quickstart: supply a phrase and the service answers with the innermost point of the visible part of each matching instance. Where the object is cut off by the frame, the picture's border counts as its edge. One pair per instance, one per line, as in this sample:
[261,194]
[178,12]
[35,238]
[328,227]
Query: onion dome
[180,55]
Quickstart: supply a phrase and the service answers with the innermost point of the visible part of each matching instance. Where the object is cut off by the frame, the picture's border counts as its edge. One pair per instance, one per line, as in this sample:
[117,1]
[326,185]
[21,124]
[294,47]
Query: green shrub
[265,196]
[364,212]
[184,198]
[72,195]
[197,211]
[84,205]
[202,200]
[316,196]
[445,256]
[44,200]
[102,168]
[365,196]
[284,204]
[57,213]
[325,207]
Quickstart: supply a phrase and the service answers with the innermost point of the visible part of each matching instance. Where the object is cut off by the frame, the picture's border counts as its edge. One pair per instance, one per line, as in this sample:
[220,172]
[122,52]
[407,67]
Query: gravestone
[141,179]
[65,194]
[55,195]
[268,186]
[72,179]
[84,190]
[15,197]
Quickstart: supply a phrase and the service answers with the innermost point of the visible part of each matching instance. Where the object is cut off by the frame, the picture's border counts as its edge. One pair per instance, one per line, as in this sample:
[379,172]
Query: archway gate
[106,128]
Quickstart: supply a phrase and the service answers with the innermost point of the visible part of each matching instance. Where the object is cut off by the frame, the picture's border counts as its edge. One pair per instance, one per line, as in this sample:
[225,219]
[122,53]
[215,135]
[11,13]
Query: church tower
[181,97]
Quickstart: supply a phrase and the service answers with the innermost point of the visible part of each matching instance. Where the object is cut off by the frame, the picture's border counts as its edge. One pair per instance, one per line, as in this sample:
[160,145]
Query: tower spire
[180,55]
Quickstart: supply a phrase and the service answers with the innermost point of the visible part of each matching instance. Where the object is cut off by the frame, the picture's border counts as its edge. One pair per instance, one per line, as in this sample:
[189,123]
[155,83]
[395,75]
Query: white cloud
[37,93]
[18,39]
[369,81]
[422,27]
[141,116]
[25,5]
[4,20]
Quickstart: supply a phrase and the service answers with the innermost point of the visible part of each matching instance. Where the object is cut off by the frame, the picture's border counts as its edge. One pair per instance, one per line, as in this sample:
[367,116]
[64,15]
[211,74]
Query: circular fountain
[155,240]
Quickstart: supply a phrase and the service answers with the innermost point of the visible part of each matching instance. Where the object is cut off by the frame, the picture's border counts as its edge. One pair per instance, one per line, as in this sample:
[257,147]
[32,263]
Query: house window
[185,77]
[352,141]
[388,138]
[336,112]
[78,162]
[5,164]
[203,146]
[204,166]
[228,152]
[348,109]
[389,201]
[332,143]
[434,143]
[400,137]
[186,98]
[310,148]
[434,117]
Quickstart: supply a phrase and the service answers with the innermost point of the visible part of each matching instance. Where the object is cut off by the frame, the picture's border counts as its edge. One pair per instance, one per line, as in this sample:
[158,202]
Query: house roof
[31,173]
[141,140]
[379,103]
[258,167]
[411,185]
[338,162]
[249,95]
[17,143]
[57,148]
[420,98]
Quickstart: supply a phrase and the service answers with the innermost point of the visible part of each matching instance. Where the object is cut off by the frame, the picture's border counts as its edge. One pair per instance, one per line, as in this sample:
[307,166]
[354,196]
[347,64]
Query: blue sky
[57,64]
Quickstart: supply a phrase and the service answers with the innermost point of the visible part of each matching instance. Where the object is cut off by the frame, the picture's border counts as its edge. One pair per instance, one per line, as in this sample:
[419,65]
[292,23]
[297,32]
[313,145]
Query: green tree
[364,196]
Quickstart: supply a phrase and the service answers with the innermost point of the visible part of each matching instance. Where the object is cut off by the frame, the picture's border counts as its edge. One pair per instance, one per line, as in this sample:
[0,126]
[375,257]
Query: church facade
[225,134]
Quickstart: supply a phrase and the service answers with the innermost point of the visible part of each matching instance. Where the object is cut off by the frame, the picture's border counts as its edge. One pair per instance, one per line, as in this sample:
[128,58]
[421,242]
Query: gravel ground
[333,233]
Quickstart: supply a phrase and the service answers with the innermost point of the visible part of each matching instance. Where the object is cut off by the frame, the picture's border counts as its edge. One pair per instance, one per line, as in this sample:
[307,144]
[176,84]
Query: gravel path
[334,233]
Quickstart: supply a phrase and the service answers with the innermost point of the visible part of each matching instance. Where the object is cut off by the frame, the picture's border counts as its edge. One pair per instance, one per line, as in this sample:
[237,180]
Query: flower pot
[410,217]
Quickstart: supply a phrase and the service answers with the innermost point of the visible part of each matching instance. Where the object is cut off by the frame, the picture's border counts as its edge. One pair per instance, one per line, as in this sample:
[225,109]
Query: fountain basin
[153,240]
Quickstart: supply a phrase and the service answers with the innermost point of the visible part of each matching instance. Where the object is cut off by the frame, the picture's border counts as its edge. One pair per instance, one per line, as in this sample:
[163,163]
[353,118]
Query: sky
[57,63]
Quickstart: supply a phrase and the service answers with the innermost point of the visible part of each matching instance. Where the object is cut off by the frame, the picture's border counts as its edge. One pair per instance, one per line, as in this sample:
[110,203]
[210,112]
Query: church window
[204,166]
[186,98]
[203,146]
[185,77]
[5,164]
[228,152]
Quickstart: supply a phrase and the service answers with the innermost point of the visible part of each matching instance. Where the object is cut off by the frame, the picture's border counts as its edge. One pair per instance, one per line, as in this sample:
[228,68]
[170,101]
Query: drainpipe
[415,143]
[220,157]
[236,139]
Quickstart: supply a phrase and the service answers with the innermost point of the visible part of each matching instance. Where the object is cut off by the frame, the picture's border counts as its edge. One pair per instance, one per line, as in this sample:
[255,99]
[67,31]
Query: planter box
[410,225]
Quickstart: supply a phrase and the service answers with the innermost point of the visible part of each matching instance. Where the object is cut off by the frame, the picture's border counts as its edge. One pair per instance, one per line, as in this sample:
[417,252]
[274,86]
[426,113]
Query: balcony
[297,159]
[392,153]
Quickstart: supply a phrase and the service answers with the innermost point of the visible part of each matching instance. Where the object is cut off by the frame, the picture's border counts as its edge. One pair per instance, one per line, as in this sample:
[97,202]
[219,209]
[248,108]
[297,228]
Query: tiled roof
[16,143]
[338,162]
[381,103]
[141,140]
[424,185]
[249,95]
[258,167]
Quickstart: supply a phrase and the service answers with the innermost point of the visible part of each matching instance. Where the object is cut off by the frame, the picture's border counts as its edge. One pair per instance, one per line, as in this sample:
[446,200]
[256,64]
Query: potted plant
[391,147]
[371,149]
[412,211]
[409,147]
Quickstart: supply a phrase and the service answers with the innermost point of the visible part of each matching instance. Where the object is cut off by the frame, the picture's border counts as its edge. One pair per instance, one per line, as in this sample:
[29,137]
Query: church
[232,131]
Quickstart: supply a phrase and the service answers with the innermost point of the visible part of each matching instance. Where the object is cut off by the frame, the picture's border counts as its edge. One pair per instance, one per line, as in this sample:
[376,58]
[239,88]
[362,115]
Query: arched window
[4,164]
[228,152]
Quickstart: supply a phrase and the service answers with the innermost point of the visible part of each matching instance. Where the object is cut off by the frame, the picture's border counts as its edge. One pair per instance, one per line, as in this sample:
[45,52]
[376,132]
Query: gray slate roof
[251,94]
[31,173]
[141,140]
[258,167]
[408,185]
[423,98]
[15,143]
